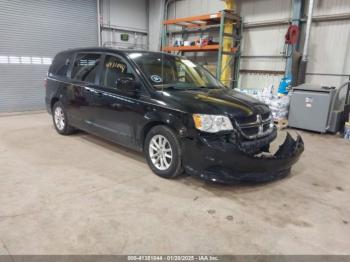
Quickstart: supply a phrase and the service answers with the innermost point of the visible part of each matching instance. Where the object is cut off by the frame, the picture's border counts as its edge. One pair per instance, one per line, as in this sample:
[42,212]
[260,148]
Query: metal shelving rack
[219,21]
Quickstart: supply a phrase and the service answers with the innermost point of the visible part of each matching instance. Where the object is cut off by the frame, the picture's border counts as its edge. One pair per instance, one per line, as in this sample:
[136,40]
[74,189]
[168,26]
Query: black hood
[214,101]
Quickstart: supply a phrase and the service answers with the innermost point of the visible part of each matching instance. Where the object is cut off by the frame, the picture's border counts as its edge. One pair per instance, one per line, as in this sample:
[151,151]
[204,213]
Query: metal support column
[226,67]
[221,40]
[98,22]
[237,57]
[304,59]
[296,17]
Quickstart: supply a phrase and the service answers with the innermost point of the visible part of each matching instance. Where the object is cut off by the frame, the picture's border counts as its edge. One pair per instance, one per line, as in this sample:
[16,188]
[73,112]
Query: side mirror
[128,84]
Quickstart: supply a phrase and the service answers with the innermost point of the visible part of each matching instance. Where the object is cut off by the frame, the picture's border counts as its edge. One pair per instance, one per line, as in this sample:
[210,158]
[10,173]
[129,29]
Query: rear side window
[60,65]
[85,67]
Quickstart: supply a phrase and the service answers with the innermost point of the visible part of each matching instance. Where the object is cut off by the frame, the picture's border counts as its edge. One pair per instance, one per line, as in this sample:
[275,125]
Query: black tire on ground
[175,167]
[66,128]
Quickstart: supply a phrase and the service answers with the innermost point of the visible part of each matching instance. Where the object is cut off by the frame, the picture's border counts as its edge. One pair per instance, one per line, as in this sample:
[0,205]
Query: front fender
[172,119]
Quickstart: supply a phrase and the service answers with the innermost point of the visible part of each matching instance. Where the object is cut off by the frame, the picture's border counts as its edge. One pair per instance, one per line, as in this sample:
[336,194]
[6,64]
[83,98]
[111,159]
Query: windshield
[174,72]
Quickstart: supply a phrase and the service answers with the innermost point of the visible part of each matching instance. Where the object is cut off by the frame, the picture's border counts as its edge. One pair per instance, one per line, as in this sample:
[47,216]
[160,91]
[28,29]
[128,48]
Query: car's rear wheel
[163,152]
[60,120]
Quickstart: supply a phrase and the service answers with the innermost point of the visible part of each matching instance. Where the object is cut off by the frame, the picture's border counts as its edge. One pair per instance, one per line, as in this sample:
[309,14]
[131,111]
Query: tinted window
[114,68]
[85,66]
[168,71]
[60,65]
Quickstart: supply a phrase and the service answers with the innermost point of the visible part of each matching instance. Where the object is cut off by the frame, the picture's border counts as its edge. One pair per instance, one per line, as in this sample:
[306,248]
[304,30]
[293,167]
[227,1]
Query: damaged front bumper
[224,162]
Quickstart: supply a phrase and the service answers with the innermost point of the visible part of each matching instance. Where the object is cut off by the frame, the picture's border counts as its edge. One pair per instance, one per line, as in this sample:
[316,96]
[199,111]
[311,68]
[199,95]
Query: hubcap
[59,118]
[160,152]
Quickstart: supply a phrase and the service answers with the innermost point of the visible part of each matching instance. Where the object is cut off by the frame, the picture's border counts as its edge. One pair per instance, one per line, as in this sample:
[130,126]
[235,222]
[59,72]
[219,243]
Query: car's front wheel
[60,120]
[163,152]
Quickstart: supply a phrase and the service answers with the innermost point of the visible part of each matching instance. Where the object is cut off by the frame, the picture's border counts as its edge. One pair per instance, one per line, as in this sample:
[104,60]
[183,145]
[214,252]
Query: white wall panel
[125,14]
[194,7]
[259,81]
[271,64]
[112,38]
[264,40]
[329,50]
[156,14]
[329,7]
[263,10]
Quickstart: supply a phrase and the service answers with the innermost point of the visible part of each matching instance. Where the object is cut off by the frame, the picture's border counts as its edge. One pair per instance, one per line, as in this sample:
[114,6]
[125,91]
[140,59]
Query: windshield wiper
[174,88]
[209,87]
[195,88]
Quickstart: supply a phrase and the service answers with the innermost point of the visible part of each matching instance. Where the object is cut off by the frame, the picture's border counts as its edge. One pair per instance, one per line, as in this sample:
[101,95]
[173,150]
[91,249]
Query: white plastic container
[347,130]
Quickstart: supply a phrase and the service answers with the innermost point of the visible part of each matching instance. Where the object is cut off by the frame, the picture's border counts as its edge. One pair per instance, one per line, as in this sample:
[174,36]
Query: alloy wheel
[59,118]
[160,152]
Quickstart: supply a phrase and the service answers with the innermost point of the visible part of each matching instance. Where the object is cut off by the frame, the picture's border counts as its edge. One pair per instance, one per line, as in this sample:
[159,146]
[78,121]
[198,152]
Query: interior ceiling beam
[287,21]
[262,72]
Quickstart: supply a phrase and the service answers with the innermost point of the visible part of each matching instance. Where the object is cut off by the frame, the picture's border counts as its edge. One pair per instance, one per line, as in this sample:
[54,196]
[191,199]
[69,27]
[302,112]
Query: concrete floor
[83,195]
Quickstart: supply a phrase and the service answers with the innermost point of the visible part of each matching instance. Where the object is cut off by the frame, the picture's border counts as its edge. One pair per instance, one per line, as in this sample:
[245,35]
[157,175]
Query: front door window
[115,68]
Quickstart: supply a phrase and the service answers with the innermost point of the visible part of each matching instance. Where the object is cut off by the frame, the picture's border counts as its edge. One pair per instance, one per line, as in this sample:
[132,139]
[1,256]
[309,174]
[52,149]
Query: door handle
[93,90]
[88,89]
[117,105]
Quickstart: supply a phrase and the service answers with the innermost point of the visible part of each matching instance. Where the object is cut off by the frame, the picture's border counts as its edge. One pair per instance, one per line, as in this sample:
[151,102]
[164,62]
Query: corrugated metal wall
[124,17]
[31,33]
[185,8]
[263,41]
[155,19]
[329,43]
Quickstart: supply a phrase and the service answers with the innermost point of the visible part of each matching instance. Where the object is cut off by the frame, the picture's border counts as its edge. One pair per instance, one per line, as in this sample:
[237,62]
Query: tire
[166,139]
[60,120]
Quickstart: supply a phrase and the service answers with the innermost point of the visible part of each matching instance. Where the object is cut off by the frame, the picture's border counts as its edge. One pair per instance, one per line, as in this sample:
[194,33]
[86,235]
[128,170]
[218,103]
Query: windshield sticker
[156,79]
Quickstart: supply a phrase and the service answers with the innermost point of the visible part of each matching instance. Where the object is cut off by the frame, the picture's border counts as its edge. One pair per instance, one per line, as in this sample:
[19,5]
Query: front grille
[266,116]
[250,131]
[254,126]
[256,145]
[266,127]
[245,119]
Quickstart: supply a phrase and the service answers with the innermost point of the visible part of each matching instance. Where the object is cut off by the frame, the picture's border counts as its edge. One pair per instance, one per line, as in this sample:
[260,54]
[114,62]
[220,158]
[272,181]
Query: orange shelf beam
[191,48]
[193,19]
[205,48]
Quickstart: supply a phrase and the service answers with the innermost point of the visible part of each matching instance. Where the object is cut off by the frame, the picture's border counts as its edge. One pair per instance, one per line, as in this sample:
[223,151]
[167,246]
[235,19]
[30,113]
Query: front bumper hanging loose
[223,162]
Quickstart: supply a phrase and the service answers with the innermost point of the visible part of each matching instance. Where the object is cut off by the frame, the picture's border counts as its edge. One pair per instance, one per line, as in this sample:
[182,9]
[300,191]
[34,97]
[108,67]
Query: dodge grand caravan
[176,112]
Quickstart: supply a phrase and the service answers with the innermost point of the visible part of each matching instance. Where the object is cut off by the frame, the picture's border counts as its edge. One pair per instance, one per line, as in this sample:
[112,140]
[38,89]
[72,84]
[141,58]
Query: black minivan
[175,111]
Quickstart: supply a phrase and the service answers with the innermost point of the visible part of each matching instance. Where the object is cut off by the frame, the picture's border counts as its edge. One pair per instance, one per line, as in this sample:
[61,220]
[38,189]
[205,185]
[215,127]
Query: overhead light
[4,59]
[14,60]
[47,61]
[36,60]
[26,60]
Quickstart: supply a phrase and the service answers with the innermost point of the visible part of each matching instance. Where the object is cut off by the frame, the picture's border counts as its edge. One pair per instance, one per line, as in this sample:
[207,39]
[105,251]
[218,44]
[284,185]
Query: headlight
[212,123]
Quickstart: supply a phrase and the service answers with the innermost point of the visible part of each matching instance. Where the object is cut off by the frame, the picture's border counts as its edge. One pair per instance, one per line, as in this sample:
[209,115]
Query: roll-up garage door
[31,33]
